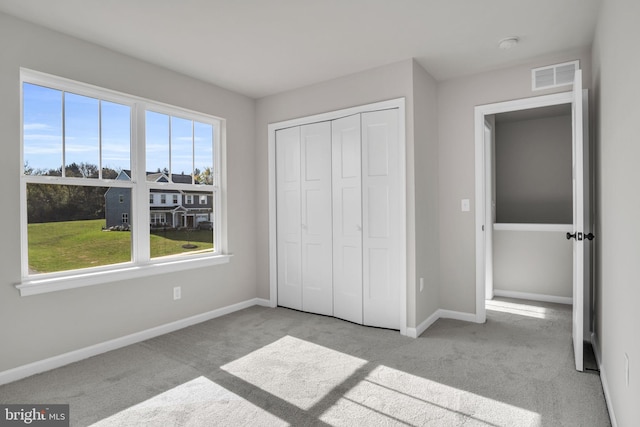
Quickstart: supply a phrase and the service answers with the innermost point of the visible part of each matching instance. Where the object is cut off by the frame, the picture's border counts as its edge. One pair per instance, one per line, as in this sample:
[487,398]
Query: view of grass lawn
[60,246]
[171,242]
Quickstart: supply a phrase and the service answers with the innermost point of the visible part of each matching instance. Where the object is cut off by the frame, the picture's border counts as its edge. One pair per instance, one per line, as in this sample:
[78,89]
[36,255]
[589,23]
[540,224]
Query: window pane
[185,230]
[116,139]
[181,150]
[203,148]
[81,129]
[71,227]
[42,127]
[157,139]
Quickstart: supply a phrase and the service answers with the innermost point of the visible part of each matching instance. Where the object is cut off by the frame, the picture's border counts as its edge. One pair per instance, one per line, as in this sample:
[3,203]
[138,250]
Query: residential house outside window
[80,182]
[203,199]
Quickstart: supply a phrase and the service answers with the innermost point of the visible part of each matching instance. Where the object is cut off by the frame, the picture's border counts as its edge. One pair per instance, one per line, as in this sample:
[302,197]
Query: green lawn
[59,246]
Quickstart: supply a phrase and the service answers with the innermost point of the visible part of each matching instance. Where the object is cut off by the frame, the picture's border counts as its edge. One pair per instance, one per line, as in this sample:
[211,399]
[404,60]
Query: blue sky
[43,134]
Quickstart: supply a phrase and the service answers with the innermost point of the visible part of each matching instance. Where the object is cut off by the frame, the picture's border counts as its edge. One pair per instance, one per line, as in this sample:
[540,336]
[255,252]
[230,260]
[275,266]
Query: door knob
[571,236]
[589,236]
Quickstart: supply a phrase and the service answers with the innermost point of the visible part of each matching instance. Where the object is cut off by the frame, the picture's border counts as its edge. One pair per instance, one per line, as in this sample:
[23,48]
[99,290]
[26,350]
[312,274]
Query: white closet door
[288,221]
[381,219]
[317,288]
[347,219]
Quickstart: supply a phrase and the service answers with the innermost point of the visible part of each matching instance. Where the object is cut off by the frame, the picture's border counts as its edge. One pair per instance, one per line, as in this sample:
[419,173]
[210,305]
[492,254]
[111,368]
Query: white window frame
[175,199]
[141,264]
[201,199]
[188,199]
[155,216]
[163,199]
[125,218]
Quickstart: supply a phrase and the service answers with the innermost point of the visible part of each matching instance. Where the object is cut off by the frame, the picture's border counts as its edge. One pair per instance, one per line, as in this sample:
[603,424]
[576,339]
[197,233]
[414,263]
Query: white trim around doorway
[483,191]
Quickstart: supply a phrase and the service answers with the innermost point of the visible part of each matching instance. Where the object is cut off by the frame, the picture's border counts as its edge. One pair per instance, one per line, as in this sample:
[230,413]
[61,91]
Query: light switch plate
[465,206]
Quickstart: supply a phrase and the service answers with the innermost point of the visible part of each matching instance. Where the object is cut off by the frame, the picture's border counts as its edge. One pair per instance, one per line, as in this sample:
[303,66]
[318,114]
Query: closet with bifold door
[338,218]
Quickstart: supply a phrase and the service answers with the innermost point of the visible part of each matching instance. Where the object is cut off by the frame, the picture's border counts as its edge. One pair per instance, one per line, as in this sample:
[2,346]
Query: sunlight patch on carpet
[296,371]
[516,308]
[389,396]
[199,402]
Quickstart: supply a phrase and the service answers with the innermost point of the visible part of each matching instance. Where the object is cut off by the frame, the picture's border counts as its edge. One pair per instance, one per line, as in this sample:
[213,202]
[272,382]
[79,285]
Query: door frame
[483,191]
[398,103]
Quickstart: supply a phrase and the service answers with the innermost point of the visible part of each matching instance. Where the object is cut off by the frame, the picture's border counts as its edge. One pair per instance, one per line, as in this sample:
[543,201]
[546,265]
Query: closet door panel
[317,289]
[288,204]
[381,218]
[347,218]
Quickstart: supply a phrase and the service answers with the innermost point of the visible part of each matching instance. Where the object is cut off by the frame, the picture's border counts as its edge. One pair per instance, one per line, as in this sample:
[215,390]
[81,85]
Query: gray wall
[533,171]
[616,70]
[426,192]
[534,262]
[379,84]
[36,327]
[456,101]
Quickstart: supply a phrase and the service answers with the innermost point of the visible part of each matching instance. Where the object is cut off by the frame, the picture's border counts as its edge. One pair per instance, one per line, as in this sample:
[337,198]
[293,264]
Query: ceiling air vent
[554,75]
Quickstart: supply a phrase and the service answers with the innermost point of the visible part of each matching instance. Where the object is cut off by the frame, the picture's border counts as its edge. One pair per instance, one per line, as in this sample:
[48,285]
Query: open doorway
[531,205]
[521,235]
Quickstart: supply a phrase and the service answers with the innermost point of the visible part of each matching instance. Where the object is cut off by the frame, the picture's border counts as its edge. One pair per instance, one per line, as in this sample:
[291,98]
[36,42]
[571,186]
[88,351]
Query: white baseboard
[439,314]
[263,302]
[417,331]
[458,315]
[74,356]
[603,378]
[533,297]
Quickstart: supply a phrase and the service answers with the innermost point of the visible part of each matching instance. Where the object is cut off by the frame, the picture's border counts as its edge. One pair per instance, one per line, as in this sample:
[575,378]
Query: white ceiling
[262,47]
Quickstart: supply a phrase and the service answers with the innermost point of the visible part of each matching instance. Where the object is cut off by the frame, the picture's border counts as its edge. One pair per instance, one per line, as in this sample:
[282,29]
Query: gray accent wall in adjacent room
[533,170]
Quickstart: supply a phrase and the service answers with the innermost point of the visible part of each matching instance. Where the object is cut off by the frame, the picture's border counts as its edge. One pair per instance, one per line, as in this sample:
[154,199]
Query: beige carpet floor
[263,367]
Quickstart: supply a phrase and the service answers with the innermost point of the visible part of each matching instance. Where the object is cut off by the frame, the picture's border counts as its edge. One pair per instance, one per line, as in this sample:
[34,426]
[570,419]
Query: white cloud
[37,126]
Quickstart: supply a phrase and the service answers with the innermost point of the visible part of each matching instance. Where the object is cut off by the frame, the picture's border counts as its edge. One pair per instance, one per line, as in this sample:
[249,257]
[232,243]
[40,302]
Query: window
[158,218]
[80,182]
[189,199]
[203,199]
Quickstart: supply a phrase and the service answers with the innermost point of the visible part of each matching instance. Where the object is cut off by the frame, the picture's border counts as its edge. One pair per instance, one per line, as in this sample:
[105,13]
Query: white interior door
[316,236]
[288,233]
[347,218]
[381,219]
[578,221]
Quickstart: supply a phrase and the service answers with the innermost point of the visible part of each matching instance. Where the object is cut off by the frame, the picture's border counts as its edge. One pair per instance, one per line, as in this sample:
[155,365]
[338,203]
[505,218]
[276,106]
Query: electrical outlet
[177,293]
[421,284]
[626,368]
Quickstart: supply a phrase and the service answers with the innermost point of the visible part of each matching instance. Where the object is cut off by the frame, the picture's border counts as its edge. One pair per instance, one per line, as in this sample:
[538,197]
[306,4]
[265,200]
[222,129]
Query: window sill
[35,286]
